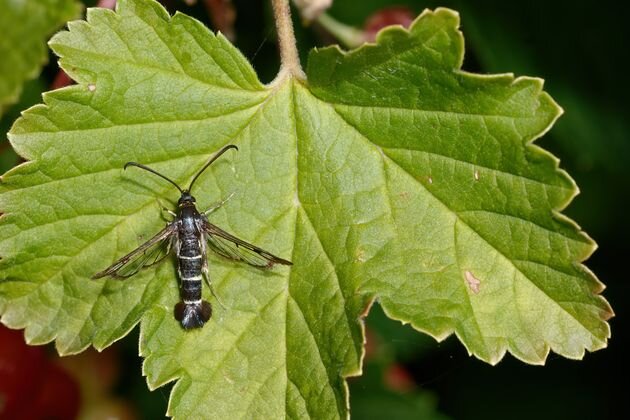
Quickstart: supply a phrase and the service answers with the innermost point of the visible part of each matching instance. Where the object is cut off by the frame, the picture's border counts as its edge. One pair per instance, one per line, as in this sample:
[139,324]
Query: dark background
[581,51]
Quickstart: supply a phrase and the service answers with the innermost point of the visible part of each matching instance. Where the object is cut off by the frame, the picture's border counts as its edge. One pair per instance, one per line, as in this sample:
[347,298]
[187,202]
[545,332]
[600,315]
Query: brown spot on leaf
[472,282]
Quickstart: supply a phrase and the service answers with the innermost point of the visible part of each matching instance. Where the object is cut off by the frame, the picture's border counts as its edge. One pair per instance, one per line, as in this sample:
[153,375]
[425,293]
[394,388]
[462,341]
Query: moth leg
[217,297]
[205,276]
[165,210]
[218,205]
[204,272]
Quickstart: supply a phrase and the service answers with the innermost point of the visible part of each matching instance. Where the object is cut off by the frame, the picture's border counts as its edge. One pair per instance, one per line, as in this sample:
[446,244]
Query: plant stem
[349,36]
[289,59]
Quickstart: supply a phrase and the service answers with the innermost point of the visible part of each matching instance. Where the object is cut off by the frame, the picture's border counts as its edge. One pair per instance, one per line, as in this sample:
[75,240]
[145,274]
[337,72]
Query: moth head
[186,199]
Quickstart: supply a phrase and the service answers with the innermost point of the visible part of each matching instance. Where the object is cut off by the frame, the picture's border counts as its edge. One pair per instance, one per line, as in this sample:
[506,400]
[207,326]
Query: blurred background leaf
[25,28]
[579,50]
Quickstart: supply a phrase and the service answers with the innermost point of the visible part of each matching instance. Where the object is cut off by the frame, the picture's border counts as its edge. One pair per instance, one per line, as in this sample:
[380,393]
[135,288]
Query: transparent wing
[149,253]
[231,247]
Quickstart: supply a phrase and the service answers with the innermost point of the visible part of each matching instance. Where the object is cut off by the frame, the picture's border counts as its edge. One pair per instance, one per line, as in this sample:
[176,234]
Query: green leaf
[473,205]
[391,175]
[22,44]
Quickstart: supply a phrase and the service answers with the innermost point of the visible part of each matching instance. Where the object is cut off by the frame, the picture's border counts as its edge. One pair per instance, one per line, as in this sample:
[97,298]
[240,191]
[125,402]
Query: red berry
[395,15]
[397,378]
[30,386]
[20,372]
[58,397]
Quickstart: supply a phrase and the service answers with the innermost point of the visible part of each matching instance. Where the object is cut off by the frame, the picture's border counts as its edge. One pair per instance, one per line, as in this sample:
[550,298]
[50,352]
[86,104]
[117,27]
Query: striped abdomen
[192,311]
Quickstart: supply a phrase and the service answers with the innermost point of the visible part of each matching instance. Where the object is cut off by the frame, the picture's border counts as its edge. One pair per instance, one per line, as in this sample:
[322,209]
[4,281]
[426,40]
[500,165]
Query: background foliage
[563,44]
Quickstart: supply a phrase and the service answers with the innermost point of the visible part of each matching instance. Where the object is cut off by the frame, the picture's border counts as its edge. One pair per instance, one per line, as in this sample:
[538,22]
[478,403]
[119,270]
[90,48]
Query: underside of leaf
[390,175]
[473,205]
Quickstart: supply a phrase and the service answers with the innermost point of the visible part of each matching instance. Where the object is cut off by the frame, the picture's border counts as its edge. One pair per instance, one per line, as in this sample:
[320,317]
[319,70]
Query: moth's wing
[233,248]
[149,253]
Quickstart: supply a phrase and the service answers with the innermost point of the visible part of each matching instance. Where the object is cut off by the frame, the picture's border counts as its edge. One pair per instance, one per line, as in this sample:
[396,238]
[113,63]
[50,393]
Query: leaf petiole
[289,59]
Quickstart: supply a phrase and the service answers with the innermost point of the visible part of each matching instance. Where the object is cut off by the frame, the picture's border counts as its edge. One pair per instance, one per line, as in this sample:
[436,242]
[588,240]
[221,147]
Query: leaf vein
[168,159]
[477,166]
[107,61]
[522,219]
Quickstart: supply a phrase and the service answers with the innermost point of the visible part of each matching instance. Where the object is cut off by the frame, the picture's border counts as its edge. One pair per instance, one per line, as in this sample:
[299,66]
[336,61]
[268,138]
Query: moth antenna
[215,157]
[146,168]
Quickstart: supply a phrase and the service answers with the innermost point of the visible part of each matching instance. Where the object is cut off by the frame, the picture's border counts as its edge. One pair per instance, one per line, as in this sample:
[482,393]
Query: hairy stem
[289,59]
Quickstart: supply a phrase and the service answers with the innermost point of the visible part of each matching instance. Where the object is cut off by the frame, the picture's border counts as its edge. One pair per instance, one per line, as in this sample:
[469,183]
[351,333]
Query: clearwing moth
[190,234]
